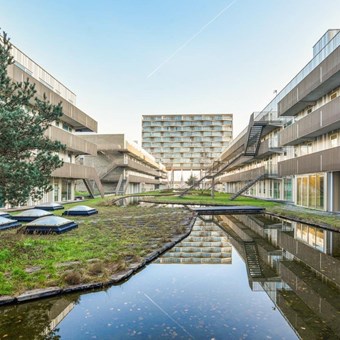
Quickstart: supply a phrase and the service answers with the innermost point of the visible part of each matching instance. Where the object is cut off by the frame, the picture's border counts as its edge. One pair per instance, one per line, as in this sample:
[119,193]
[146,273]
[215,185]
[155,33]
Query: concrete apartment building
[186,142]
[123,167]
[291,149]
[73,120]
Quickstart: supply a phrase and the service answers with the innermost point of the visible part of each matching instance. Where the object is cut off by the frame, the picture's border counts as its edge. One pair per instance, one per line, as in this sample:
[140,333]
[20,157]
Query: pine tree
[191,180]
[27,156]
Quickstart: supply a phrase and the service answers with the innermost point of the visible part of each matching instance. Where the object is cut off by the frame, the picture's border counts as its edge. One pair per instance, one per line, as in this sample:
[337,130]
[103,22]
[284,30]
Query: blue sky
[104,51]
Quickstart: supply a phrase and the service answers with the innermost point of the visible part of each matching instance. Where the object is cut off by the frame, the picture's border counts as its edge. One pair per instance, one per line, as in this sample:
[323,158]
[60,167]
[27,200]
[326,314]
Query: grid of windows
[186,141]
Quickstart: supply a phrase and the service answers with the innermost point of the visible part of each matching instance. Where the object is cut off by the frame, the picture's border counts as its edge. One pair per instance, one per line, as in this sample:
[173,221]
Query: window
[334,140]
[333,95]
[310,191]
[67,127]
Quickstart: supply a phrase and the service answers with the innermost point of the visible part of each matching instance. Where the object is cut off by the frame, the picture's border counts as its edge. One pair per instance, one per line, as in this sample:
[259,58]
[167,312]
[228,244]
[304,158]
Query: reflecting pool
[233,277]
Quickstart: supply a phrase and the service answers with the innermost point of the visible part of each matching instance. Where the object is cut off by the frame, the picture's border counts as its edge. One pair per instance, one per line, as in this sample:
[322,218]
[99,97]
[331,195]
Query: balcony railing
[72,115]
[142,168]
[317,83]
[321,161]
[140,179]
[268,147]
[75,171]
[73,143]
[317,123]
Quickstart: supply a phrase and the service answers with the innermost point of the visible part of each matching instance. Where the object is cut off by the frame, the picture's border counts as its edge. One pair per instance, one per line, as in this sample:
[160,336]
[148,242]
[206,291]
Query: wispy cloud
[186,43]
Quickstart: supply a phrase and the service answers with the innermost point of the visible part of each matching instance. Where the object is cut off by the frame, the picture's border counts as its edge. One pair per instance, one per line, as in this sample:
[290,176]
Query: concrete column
[213,188]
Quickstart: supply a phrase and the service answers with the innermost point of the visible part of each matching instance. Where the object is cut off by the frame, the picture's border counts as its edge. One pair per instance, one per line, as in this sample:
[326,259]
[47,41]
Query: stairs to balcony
[110,169]
[253,261]
[119,184]
[255,129]
[89,184]
[247,186]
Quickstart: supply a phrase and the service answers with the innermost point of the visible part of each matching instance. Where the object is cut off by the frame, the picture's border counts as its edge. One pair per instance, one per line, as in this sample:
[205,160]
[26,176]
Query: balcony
[140,167]
[234,149]
[73,143]
[317,123]
[75,171]
[140,179]
[324,78]
[269,147]
[321,161]
[141,155]
[72,115]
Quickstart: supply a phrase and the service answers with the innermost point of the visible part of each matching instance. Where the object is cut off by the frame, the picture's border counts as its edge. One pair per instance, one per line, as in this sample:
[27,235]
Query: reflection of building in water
[57,313]
[206,244]
[39,319]
[299,268]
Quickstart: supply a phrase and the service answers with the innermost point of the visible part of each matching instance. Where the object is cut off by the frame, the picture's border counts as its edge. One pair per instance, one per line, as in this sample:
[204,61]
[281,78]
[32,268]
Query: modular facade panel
[325,160]
[186,141]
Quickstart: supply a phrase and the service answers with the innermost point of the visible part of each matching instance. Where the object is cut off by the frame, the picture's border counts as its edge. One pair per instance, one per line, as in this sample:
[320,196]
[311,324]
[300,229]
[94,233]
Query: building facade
[186,142]
[123,167]
[73,120]
[298,149]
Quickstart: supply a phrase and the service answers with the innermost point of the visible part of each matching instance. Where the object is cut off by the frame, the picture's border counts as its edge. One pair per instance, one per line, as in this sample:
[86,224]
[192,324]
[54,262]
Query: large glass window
[66,190]
[288,189]
[56,192]
[276,190]
[310,191]
[319,192]
[304,191]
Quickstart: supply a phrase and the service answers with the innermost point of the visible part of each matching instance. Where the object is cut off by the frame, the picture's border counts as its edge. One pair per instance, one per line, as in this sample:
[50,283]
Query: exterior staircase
[252,258]
[111,168]
[211,175]
[90,187]
[119,184]
[246,187]
[254,134]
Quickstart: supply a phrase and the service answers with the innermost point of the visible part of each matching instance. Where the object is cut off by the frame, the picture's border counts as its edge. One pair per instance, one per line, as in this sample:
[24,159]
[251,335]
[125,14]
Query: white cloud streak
[186,43]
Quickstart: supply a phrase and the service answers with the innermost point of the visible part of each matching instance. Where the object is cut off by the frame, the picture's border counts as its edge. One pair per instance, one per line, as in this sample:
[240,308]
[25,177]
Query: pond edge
[116,279]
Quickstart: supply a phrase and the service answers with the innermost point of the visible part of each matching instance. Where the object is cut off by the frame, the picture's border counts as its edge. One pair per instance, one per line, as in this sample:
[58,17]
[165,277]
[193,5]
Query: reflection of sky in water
[184,301]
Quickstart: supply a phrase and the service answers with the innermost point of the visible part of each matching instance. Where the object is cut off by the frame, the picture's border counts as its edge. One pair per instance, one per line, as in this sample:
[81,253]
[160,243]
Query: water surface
[207,287]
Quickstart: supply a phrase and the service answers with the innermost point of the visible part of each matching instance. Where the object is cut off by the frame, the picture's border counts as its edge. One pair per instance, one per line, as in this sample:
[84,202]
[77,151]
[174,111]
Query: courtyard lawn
[103,244]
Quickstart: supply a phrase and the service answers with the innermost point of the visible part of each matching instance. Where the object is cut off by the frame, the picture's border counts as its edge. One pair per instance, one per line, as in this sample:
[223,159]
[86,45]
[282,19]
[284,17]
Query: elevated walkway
[221,210]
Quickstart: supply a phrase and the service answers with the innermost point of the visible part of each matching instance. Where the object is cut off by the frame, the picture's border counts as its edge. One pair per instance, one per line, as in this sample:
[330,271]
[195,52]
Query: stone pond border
[116,278]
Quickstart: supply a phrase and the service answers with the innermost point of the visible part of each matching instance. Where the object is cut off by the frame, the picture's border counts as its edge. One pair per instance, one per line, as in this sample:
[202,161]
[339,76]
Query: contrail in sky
[190,40]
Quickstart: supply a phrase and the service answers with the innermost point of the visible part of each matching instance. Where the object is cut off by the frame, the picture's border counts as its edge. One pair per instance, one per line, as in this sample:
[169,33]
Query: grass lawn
[102,245]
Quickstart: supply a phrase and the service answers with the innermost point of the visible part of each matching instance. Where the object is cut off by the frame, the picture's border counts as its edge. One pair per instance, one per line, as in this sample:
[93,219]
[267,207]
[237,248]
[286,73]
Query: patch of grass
[102,245]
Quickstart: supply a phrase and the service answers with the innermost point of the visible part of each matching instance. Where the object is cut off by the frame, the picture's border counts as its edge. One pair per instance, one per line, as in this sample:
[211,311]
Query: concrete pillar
[213,188]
